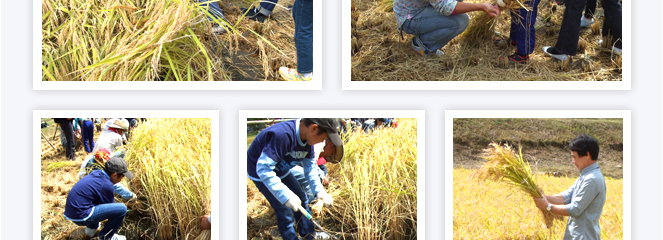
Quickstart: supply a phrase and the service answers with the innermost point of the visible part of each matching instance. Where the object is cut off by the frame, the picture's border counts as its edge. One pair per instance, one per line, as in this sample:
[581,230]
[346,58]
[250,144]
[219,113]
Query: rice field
[170,40]
[171,162]
[494,210]
[374,189]
[379,53]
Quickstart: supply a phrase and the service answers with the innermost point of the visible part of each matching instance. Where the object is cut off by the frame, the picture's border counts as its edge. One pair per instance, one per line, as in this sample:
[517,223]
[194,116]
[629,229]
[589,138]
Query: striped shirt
[406,9]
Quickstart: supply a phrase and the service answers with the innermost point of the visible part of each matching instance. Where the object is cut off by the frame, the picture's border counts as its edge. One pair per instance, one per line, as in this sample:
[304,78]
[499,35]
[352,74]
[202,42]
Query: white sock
[90,232]
[306,75]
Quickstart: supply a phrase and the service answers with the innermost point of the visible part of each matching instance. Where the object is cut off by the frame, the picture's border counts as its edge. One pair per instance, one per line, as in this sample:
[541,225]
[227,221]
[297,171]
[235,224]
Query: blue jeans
[434,29]
[213,9]
[88,135]
[267,6]
[114,212]
[285,217]
[302,12]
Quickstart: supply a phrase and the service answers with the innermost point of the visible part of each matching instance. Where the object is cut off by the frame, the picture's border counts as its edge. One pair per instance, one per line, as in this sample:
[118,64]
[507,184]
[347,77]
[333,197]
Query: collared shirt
[584,204]
[406,9]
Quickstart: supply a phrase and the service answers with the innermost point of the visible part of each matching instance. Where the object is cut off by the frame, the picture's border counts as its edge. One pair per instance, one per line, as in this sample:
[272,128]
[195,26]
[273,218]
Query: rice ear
[505,165]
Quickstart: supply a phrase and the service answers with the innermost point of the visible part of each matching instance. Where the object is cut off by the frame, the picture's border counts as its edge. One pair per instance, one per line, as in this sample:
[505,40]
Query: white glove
[133,198]
[294,202]
[326,198]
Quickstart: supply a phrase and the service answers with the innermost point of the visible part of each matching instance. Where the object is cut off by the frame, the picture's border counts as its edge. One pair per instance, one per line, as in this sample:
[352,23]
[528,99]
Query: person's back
[109,140]
[93,189]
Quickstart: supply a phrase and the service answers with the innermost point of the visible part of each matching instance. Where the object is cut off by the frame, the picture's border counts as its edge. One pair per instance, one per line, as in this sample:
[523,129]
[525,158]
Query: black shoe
[254,15]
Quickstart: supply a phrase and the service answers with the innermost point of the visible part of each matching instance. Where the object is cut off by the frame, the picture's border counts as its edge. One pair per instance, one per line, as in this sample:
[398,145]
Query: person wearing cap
[91,200]
[111,138]
[584,201]
[277,149]
[97,161]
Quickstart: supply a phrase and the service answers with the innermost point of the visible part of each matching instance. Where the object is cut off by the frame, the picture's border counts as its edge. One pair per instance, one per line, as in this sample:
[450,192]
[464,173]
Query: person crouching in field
[523,33]
[274,152]
[91,200]
[584,201]
[435,22]
[98,161]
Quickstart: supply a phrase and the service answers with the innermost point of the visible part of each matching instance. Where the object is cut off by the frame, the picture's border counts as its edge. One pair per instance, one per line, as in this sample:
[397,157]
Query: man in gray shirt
[584,201]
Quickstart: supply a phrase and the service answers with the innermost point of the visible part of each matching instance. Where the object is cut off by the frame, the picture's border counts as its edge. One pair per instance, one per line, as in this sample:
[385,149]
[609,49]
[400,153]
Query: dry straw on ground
[171,162]
[504,164]
[138,40]
[379,53]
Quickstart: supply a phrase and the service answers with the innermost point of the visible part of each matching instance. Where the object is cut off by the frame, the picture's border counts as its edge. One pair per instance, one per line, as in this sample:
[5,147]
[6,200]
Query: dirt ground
[250,57]
[56,184]
[379,53]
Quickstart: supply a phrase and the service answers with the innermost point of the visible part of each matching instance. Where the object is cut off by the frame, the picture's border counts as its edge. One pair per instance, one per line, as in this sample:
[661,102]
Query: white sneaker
[118,237]
[561,57]
[585,22]
[321,236]
[218,29]
[615,50]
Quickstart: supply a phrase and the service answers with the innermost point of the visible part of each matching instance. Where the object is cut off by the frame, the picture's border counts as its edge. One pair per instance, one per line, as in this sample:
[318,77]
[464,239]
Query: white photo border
[418,114]
[348,84]
[450,115]
[36,150]
[38,84]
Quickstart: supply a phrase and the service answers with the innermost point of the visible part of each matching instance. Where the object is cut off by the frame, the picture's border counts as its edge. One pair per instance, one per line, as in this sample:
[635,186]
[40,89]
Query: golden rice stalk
[504,164]
[204,235]
[171,162]
[481,26]
[375,187]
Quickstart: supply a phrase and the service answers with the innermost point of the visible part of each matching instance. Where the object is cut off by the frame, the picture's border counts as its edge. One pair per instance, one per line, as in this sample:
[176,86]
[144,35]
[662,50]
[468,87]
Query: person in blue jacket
[91,200]
[272,154]
[97,161]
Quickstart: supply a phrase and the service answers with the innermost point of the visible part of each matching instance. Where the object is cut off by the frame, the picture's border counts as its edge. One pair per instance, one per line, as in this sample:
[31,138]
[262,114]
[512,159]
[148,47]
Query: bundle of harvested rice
[171,162]
[504,164]
[481,27]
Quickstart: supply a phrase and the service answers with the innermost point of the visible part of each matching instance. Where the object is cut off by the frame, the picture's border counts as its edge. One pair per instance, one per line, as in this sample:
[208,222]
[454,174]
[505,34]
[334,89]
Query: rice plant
[137,40]
[493,210]
[375,187]
[171,161]
[504,164]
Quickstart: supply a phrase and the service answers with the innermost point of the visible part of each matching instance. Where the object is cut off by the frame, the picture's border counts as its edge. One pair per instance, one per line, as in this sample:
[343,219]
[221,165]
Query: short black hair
[584,144]
[307,122]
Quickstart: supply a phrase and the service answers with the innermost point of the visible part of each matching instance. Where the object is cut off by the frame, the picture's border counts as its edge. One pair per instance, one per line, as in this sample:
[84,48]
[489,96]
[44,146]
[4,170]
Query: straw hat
[119,124]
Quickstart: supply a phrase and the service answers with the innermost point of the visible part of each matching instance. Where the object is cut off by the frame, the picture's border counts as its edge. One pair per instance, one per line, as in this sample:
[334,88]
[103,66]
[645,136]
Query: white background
[18,100]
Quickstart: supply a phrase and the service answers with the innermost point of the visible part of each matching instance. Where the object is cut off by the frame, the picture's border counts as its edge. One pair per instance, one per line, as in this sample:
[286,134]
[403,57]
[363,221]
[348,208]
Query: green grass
[535,131]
